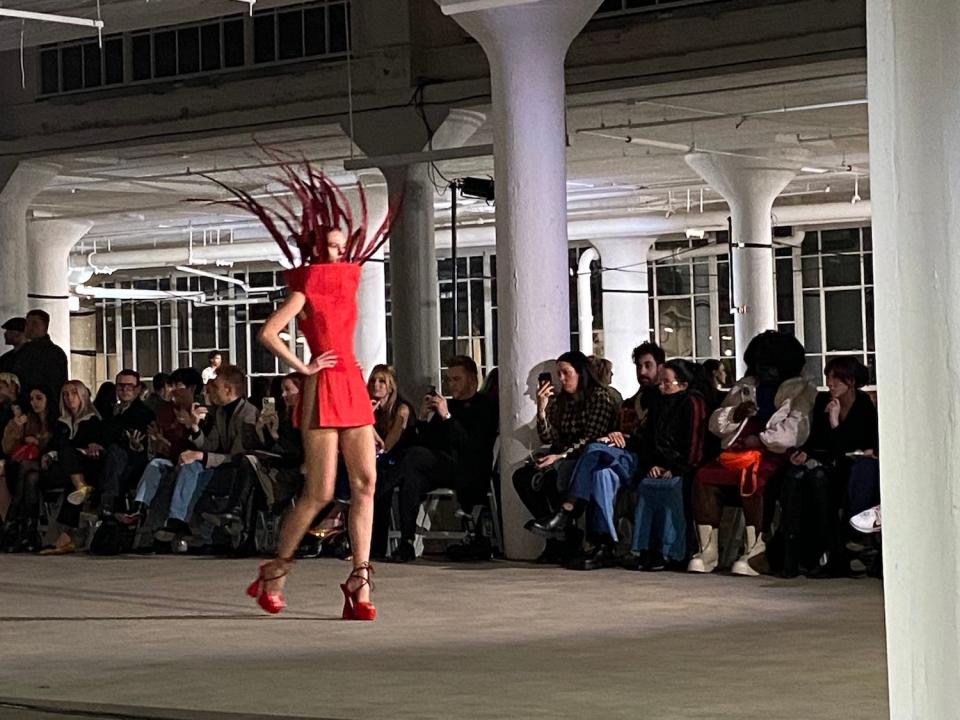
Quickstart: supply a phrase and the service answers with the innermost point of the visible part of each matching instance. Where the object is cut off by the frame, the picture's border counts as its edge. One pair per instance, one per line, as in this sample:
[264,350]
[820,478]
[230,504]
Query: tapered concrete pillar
[526,45]
[749,185]
[626,305]
[414,295]
[28,180]
[49,243]
[370,341]
[914,91]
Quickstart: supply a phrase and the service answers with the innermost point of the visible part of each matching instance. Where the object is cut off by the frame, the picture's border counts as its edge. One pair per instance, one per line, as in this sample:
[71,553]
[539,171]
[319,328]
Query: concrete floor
[142,637]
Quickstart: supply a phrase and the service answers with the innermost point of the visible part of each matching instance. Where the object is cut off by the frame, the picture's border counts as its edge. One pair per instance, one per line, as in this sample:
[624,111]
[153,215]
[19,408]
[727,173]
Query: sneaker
[868,521]
[80,495]
[172,529]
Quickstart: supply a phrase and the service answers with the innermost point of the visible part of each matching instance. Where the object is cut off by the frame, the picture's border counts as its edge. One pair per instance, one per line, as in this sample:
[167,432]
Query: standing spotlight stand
[454,186]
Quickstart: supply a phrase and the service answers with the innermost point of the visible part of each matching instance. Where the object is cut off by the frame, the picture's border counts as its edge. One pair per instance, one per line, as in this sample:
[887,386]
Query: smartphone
[432,390]
[544,378]
[269,404]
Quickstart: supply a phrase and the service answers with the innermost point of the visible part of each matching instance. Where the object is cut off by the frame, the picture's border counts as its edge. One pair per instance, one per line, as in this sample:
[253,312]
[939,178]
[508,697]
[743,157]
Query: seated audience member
[836,469]
[603,370]
[40,362]
[167,439]
[491,386]
[9,394]
[454,450]
[74,460]
[567,421]
[716,373]
[25,439]
[670,450]
[395,426]
[125,431]
[765,415]
[162,388]
[275,468]
[105,401]
[230,433]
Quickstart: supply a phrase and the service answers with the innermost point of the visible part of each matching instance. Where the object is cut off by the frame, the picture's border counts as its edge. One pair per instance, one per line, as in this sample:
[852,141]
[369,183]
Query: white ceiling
[141,196]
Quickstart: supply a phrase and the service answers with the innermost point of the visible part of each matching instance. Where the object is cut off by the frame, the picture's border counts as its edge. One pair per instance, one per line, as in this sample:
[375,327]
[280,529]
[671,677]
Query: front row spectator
[229,433]
[125,433]
[454,450]
[74,461]
[765,415]
[671,450]
[275,467]
[25,439]
[580,413]
[828,475]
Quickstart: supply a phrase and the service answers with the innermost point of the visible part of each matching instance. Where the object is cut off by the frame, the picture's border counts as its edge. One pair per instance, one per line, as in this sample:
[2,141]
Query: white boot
[753,549]
[706,560]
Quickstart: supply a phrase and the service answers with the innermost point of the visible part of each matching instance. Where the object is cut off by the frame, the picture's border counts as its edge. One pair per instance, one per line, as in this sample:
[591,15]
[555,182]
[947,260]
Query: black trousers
[542,491]
[122,469]
[416,473]
[810,502]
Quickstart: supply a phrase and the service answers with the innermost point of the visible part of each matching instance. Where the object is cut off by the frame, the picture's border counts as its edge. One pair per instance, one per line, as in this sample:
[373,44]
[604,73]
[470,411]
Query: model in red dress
[335,414]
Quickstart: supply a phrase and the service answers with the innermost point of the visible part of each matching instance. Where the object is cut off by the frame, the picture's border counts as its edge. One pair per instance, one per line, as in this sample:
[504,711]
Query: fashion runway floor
[174,637]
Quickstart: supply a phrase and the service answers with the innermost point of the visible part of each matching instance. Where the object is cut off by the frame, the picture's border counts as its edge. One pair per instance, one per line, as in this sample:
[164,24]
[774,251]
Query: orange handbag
[748,462]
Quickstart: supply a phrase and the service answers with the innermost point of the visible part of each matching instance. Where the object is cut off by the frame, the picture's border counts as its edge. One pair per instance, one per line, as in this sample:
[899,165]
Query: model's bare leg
[360,455]
[320,451]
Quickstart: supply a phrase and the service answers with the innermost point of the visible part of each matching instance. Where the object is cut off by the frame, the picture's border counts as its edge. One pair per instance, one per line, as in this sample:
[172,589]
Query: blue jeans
[150,480]
[191,481]
[659,519]
[598,476]
[863,487]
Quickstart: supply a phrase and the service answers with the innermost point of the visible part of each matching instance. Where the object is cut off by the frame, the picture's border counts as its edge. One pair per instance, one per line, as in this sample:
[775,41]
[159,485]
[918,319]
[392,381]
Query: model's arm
[278,322]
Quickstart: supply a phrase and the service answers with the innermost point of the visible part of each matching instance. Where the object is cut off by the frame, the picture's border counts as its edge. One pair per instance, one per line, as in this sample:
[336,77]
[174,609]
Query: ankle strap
[364,579]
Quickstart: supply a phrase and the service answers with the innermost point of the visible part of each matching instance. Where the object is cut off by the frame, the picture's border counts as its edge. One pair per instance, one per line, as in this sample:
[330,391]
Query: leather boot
[753,560]
[706,560]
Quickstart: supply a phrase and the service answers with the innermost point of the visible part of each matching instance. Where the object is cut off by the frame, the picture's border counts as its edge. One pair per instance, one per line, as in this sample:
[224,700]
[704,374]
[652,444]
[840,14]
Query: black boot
[30,537]
[554,526]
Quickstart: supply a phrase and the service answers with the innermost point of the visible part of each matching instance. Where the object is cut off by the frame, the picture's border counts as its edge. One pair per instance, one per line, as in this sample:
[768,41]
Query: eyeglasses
[127,386]
[669,383]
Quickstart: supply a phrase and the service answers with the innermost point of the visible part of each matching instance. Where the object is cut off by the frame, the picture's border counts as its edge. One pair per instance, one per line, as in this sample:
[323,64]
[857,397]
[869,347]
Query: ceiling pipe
[655,225]
[637,225]
[584,302]
[135,294]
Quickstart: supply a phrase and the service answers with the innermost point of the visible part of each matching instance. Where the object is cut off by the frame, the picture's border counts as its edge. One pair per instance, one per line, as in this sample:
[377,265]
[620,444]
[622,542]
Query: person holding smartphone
[454,449]
[567,421]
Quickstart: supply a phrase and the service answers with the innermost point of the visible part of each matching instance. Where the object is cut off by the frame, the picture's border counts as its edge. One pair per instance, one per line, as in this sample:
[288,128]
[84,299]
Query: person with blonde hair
[395,427]
[74,461]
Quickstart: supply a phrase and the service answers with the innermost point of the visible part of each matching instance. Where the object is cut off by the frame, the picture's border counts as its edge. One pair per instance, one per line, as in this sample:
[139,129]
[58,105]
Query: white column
[626,305]
[29,179]
[413,262]
[526,45]
[370,340]
[49,243]
[749,185]
[914,91]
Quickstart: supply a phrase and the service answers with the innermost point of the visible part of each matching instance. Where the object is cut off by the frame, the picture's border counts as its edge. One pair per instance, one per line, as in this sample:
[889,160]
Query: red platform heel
[354,609]
[272,602]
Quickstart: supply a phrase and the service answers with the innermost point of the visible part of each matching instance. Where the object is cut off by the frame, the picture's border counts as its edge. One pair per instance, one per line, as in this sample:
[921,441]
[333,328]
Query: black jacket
[467,438]
[674,435]
[136,417]
[859,431]
[40,362]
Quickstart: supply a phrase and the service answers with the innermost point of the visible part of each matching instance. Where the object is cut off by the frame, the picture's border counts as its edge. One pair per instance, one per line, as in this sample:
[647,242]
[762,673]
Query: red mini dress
[336,397]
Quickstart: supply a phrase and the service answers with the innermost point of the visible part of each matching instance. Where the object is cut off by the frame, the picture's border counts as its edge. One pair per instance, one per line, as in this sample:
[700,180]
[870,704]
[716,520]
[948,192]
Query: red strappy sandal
[272,602]
[354,609]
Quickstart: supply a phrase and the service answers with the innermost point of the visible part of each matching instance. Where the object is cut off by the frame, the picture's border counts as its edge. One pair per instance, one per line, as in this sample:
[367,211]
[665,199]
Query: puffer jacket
[789,427]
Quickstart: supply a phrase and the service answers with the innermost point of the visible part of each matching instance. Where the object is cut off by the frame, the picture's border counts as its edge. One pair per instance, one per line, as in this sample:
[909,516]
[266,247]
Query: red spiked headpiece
[323,208]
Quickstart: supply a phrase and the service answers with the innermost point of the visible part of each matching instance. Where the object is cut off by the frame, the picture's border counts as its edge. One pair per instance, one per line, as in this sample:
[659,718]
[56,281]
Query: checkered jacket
[572,422]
